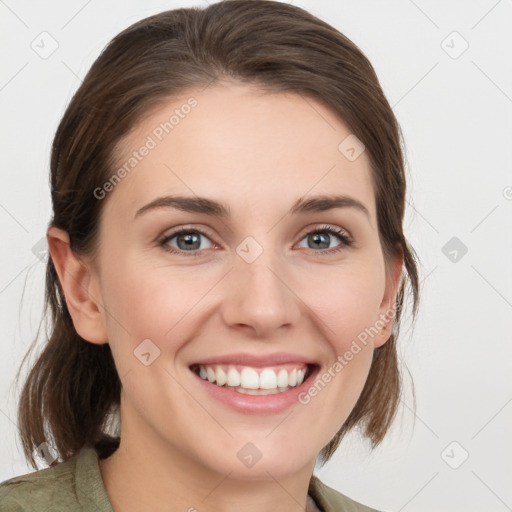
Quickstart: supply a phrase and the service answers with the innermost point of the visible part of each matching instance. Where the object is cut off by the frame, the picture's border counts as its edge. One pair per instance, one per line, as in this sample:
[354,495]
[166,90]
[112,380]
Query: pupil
[325,242]
[190,239]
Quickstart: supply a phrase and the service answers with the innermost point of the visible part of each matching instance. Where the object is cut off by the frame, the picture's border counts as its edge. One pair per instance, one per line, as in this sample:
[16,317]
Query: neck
[148,473]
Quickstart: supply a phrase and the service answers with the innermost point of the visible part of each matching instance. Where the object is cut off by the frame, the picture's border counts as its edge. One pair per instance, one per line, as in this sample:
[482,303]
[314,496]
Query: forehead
[251,149]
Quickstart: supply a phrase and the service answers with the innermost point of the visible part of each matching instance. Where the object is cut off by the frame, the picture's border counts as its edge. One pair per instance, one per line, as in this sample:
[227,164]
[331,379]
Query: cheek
[163,303]
[346,300]
[347,307]
[156,303]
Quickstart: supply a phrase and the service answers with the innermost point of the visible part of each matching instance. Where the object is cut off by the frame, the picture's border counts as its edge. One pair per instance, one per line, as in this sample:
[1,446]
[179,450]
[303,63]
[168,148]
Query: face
[262,287]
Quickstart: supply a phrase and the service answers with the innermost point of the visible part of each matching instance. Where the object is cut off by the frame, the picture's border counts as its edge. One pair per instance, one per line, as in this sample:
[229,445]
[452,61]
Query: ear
[79,285]
[387,307]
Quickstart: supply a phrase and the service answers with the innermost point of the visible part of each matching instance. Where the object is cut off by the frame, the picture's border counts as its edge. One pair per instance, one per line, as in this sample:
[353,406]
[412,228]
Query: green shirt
[77,485]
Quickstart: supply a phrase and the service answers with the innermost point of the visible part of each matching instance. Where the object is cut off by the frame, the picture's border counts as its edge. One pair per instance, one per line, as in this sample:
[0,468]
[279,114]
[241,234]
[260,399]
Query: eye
[187,239]
[320,238]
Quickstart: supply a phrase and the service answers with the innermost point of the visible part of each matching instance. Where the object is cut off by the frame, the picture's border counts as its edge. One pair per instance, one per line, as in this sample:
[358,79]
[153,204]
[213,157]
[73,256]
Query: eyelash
[346,240]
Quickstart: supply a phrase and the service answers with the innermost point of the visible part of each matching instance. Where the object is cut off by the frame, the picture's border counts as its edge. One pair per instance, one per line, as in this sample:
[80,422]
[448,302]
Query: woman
[197,168]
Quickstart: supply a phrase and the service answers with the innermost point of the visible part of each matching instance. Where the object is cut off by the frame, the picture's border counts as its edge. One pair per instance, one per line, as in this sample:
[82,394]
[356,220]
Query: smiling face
[264,277]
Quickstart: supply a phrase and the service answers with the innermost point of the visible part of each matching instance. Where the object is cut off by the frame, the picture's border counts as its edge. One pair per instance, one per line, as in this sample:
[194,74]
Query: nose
[259,297]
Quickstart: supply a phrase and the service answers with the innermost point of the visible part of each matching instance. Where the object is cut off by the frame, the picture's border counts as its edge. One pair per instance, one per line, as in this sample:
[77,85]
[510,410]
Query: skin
[258,153]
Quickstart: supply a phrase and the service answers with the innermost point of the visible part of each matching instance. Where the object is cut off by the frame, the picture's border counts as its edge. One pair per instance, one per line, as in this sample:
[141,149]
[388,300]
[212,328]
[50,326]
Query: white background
[456,117]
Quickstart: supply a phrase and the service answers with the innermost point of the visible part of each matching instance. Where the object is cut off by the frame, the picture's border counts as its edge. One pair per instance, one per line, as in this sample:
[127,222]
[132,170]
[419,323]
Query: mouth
[251,380]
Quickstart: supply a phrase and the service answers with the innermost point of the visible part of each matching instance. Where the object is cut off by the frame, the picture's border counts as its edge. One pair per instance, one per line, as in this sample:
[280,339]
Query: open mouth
[255,381]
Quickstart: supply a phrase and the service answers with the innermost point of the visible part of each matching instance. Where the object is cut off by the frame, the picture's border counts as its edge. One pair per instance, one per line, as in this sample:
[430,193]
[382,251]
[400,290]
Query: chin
[269,462]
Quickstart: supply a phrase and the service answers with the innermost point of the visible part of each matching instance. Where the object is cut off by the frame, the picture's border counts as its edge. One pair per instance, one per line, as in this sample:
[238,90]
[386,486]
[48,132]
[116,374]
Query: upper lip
[256,360]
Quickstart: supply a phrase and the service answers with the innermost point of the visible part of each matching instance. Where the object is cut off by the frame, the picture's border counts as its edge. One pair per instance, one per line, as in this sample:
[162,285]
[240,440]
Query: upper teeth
[249,378]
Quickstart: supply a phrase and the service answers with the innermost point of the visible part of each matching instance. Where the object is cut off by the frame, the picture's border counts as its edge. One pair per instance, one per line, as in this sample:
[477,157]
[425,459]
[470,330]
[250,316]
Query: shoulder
[45,489]
[68,486]
[330,500]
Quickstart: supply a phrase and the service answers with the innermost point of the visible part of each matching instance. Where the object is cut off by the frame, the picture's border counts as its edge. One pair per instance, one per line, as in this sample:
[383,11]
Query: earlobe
[75,278]
[387,310]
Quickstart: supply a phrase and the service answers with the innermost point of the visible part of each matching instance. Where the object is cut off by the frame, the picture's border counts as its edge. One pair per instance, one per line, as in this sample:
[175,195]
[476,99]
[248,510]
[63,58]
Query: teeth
[268,379]
[233,377]
[282,378]
[210,374]
[250,382]
[249,378]
[221,377]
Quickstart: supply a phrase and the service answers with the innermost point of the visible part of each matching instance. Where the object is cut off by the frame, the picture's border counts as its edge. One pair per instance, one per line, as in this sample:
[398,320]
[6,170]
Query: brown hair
[73,387]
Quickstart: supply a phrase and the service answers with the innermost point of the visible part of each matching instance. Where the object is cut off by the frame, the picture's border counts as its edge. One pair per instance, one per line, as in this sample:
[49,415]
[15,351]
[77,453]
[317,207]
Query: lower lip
[257,404]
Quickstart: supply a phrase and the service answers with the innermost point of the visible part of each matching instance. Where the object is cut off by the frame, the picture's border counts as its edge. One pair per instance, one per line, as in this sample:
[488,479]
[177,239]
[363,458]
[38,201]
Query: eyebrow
[216,209]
